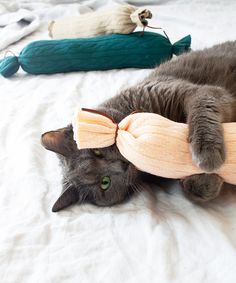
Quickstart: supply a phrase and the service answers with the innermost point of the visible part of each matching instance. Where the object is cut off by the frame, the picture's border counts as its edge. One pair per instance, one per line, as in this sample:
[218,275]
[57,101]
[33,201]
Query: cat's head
[99,176]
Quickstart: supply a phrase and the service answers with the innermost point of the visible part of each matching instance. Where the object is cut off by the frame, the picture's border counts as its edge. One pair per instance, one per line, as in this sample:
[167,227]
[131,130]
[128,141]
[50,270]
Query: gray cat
[198,88]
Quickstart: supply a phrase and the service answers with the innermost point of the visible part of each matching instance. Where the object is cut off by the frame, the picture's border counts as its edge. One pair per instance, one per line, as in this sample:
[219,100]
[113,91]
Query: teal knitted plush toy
[116,51]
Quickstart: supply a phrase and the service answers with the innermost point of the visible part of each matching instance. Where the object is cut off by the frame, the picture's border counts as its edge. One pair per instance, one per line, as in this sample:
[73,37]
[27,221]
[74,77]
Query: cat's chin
[127,197]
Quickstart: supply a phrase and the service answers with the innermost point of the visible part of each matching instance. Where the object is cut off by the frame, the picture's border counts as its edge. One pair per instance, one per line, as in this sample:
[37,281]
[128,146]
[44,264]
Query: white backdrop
[159,237]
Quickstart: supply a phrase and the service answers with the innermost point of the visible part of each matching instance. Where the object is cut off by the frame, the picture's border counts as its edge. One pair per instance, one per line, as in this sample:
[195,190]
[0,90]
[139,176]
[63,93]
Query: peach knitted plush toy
[151,142]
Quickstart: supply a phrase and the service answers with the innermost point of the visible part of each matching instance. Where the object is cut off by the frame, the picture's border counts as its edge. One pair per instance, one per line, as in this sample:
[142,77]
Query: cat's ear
[59,141]
[68,197]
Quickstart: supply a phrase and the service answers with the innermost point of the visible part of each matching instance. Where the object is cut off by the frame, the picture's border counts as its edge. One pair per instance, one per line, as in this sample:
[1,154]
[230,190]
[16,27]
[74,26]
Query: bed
[158,236]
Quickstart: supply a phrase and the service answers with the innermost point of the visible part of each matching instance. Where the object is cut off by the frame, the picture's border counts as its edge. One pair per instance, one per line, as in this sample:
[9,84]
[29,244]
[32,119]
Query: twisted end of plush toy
[50,28]
[139,17]
[93,129]
[9,66]
[182,45]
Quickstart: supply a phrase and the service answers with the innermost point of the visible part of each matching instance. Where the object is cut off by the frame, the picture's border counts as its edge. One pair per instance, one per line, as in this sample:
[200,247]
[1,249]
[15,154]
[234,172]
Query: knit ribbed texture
[121,19]
[154,144]
[115,51]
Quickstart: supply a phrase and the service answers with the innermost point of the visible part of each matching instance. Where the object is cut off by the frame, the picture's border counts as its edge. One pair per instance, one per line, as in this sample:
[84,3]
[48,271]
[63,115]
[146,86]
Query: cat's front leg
[206,111]
[202,187]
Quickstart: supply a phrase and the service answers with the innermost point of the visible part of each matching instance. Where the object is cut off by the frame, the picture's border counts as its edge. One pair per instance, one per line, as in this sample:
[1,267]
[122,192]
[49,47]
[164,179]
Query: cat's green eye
[97,152]
[105,183]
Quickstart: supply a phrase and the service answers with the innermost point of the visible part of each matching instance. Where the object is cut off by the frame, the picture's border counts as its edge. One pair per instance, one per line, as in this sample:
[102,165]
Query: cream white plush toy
[119,19]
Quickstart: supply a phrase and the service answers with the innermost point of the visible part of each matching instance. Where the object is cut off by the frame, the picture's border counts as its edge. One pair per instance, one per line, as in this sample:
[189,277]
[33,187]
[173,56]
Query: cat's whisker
[136,188]
[84,195]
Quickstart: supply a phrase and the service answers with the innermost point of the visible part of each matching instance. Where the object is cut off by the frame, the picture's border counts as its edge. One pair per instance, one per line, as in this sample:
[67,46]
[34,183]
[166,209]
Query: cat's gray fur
[198,88]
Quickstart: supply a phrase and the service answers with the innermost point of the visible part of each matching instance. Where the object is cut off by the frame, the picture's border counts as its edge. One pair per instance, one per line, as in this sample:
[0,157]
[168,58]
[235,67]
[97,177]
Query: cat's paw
[202,187]
[208,152]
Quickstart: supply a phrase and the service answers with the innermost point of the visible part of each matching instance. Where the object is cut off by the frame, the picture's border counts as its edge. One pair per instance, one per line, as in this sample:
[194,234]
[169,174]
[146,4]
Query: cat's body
[163,90]
[198,88]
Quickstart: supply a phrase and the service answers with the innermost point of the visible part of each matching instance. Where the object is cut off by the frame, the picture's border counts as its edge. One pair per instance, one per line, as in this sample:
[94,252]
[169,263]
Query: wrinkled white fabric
[158,237]
[16,25]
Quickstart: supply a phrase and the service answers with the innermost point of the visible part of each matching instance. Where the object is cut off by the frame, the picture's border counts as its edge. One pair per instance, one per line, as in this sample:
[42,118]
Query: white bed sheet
[159,237]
